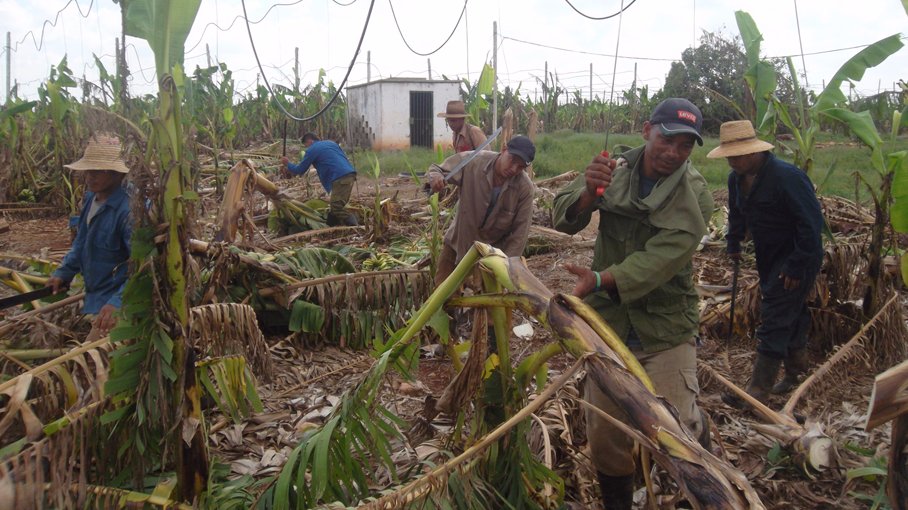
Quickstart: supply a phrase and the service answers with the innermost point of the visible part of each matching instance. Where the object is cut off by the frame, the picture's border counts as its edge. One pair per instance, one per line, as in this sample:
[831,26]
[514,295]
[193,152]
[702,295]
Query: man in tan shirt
[496,202]
[467,137]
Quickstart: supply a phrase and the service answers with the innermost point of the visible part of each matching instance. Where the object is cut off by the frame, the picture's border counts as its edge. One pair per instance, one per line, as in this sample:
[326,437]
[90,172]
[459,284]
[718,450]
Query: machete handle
[601,189]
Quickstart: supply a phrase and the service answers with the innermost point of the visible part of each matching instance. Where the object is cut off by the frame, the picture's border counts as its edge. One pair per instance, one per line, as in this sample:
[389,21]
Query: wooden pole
[9,50]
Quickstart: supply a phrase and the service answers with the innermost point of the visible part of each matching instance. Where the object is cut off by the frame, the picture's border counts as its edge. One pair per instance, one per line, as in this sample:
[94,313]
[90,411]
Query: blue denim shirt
[329,160]
[101,252]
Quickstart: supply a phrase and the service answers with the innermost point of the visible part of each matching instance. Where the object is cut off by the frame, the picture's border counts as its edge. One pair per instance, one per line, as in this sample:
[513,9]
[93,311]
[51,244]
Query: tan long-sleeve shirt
[507,225]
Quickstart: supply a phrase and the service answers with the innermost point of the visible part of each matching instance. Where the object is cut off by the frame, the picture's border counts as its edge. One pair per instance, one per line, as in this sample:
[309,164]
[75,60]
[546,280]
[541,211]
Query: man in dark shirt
[774,201]
[335,172]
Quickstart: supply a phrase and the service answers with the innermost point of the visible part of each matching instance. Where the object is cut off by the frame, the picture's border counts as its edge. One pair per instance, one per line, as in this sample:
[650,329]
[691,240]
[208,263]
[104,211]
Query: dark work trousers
[784,316]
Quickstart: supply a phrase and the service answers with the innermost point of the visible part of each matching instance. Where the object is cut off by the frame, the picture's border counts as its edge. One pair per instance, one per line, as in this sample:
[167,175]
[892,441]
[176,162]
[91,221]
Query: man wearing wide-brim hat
[100,251]
[467,137]
[775,202]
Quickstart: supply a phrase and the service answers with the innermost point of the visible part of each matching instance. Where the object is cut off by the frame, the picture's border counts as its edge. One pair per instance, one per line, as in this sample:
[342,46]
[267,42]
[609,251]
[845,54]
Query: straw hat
[102,153]
[454,110]
[737,138]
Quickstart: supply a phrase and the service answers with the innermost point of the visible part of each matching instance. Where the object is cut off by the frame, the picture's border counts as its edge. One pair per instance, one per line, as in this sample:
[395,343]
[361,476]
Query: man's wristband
[598,281]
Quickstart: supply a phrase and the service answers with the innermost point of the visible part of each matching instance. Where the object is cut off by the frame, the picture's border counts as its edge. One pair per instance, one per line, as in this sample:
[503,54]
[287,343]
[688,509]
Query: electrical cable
[248,22]
[343,4]
[39,45]
[339,88]
[624,8]
[399,31]
[589,52]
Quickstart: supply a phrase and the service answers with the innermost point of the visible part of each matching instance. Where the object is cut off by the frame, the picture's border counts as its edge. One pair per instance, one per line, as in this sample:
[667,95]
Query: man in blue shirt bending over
[334,171]
[101,248]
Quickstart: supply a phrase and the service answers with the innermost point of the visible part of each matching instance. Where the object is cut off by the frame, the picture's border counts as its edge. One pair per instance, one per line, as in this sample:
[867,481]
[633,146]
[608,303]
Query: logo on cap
[688,116]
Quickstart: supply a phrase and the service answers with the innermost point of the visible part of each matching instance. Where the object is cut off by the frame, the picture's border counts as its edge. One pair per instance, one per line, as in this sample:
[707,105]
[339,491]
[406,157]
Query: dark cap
[676,116]
[523,148]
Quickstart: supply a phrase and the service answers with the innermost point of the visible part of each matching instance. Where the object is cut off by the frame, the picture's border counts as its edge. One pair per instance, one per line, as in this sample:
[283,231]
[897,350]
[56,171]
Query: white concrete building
[399,113]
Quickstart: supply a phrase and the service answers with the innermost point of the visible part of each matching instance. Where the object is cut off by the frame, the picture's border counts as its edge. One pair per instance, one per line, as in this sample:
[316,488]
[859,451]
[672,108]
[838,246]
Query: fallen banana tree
[243,180]
[811,449]
[308,479]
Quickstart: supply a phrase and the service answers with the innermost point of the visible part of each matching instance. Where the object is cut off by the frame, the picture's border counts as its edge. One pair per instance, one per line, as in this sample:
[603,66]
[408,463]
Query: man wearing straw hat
[100,251]
[466,136]
[775,202]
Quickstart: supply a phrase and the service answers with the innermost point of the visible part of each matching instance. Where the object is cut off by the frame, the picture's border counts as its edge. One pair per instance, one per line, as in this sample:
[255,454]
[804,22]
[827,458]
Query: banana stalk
[708,481]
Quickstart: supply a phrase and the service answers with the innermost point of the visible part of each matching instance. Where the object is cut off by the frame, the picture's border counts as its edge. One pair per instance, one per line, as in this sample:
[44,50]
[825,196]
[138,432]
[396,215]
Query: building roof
[401,80]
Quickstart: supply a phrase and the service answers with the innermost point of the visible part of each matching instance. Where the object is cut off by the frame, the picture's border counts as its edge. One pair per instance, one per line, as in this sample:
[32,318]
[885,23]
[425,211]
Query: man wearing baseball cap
[775,202]
[496,202]
[100,251]
[653,210]
[466,136]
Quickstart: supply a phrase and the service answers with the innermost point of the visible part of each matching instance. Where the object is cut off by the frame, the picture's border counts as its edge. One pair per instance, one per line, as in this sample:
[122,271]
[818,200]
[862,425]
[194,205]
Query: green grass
[835,165]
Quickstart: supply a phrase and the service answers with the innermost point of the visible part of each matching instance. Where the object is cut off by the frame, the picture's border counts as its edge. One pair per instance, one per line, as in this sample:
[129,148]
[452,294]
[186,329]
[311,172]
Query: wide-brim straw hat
[454,110]
[737,138]
[102,153]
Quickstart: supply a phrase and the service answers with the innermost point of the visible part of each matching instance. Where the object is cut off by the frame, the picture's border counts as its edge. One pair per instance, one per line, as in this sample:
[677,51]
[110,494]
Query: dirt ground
[309,382]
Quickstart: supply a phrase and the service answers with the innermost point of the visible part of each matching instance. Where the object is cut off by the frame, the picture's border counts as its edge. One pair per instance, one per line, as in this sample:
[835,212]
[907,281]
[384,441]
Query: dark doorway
[421,119]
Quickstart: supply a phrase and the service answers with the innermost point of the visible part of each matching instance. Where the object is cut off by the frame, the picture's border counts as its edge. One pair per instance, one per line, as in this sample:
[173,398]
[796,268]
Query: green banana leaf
[854,69]
[760,75]
[165,24]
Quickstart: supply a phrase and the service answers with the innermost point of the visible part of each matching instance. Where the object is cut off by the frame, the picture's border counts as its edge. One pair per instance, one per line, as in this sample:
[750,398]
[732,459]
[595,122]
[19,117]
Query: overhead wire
[39,45]
[588,52]
[622,9]
[339,88]
[407,44]
[235,18]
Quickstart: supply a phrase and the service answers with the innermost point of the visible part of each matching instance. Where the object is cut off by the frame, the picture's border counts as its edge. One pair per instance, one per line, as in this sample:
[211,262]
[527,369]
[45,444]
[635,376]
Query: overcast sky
[653,33]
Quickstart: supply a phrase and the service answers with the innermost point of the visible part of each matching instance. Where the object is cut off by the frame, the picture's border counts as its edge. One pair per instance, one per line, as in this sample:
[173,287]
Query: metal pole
[591,82]
[466,31]
[208,54]
[801,45]
[736,268]
[429,62]
[296,69]
[368,66]
[495,75]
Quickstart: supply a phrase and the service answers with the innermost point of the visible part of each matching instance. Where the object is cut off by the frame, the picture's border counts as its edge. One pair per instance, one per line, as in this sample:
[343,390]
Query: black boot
[795,366]
[765,371]
[704,438]
[617,491]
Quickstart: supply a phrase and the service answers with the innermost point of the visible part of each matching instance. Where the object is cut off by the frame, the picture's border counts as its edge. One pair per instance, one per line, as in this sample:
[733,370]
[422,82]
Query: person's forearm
[584,203]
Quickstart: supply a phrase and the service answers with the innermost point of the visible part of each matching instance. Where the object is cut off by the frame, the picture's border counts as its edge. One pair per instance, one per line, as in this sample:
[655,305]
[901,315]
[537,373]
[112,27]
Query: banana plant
[808,121]
[335,462]
[478,95]
[760,76]
[62,109]
[153,377]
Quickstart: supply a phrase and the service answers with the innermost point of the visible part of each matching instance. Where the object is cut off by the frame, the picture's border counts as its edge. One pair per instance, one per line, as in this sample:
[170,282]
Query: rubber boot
[617,491]
[351,220]
[795,366]
[704,438]
[765,371]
